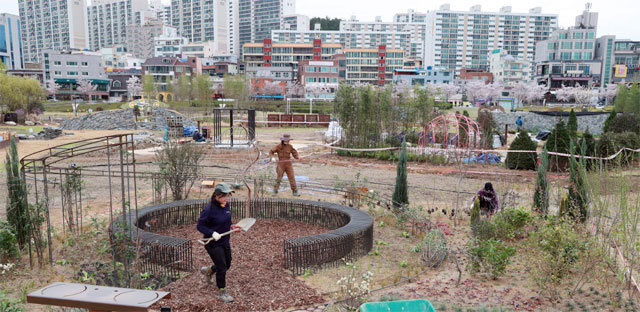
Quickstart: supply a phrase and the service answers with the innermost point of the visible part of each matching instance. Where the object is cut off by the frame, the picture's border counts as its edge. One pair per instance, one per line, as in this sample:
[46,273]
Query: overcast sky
[616,17]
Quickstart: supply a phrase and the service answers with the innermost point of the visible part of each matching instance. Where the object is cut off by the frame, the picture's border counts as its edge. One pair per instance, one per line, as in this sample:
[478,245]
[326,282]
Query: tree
[607,123]
[203,89]
[53,87]
[401,190]
[487,127]
[180,166]
[272,88]
[622,98]
[236,87]
[541,194]
[558,142]
[134,87]
[564,94]
[522,161]
[20,93]
[474,90]
[326,23]
[572,125]
[16,199]
[535,92]
[184,89]
[86,88]
[294,90]
[578,200]
[317,90]
[149,88]
[492,92]
[447,90]
[582,95]
[520,91]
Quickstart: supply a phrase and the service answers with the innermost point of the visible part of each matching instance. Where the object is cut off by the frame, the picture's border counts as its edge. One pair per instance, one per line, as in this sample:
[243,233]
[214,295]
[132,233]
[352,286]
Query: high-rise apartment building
[226,35]
[52,24]
[161,11]
[194,19]
[140,37]
[463,39]
[257,18]
[108,20]
[410,17]
[295,22]
[10,42]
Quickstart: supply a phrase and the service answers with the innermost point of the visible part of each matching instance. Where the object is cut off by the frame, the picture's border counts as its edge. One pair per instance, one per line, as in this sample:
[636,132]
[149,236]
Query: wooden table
[96,298]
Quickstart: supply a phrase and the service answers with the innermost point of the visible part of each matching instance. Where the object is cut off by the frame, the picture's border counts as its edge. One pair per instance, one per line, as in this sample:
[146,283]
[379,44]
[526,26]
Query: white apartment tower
[194,19]
[52,24]
[463,39]
[108,20]
[226,36]
[257,18]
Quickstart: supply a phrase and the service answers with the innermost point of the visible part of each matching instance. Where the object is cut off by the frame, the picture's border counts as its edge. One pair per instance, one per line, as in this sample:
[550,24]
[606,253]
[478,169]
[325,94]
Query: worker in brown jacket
[284,151]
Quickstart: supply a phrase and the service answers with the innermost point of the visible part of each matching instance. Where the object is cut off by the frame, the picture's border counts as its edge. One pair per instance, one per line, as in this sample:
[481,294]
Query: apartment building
[295,22]
[257,18]
[52,24]
[373,66]
[165,70]
[10,41]
[67,68]
[169,46]
[108,20]
[268,54]
[626,66]
[463,39]
[508,69]
[422,76]
[140,38]
[410,17]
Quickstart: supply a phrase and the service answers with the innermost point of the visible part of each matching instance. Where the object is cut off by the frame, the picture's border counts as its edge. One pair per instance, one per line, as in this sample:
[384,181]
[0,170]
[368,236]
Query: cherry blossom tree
[564,94]
[134,86]
[492,91]
[447,90]
[402,87]
[474,90]
[53,87]
[85,87]
[294,90]
[520,91]
[535,92]
[317,90]
[272,88]
[583,95]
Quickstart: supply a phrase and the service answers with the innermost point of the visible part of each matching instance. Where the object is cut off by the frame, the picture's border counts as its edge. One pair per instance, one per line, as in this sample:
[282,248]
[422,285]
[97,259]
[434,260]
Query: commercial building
[463,39]
[52,24]
[507,69]
[422,76]
[468,74]
[325,73]
[257,18]
[569,56]
[67,68]
[140,38]
[165,69]
[108,20]
[10,41]
[626,66]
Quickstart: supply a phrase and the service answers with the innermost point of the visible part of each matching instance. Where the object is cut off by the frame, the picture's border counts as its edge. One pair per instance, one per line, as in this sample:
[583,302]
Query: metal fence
[350,235]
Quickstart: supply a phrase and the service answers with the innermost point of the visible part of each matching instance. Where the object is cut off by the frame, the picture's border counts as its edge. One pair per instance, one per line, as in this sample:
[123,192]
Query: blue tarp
[482,158]
[188,130]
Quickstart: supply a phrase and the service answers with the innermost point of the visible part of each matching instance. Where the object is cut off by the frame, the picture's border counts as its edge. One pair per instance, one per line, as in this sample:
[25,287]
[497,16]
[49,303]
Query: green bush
[607,123]
[555,248]
[490,257]
[558,141]
[572,124]
[7,305]
[610,143]
[8,243]
[435,248]
[510,223]
[626,122]
[522,161]
[578,201]
[541,193]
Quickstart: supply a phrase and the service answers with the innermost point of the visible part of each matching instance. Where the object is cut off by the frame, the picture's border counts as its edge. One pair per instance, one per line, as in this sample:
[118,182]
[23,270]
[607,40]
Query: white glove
[216,236]
[273,159]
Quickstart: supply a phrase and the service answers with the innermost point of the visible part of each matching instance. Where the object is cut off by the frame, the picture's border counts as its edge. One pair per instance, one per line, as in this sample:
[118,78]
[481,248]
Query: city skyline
[613,19]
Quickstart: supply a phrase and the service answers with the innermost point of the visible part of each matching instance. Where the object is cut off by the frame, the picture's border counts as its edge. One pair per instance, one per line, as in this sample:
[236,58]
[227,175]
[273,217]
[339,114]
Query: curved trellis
[450,130]
[350,235]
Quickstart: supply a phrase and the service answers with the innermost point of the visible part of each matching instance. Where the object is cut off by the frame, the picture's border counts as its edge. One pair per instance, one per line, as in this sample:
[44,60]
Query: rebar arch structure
[448,130]
[60,166]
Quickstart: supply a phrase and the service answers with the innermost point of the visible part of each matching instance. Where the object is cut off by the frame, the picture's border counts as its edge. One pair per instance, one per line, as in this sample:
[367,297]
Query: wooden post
[506,133]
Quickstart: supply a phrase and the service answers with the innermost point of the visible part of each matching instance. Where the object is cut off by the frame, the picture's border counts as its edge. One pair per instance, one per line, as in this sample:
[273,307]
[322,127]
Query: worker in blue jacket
[216,218]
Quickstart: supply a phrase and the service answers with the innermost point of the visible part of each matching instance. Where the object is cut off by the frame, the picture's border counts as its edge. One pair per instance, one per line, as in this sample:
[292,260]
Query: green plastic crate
[419,305]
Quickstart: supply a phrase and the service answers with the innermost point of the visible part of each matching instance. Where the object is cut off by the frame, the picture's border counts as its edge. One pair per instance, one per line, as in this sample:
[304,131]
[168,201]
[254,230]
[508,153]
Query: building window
[85,64]
[563,36]
[566,45]
[116,84]
[590,35]
[588,45]
[72,63]
[587,56]
[57,73]
[565,55]
[577,45]
[58,63]
[577,55]
[577,35]
[85,73]
[72,73]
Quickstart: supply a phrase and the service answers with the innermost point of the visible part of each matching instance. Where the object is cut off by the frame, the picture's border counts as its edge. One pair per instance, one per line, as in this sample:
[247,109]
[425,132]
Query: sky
[616,17]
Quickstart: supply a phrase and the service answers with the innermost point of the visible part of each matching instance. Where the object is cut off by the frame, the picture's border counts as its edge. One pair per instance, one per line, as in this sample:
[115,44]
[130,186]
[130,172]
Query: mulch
[257,279]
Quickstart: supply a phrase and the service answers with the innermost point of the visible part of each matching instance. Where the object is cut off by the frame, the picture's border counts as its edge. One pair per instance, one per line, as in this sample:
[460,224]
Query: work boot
[295,193]
[222,295]
[208,273]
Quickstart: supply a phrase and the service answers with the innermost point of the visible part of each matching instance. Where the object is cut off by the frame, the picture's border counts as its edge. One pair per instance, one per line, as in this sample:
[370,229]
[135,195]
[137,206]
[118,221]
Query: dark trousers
[221,256]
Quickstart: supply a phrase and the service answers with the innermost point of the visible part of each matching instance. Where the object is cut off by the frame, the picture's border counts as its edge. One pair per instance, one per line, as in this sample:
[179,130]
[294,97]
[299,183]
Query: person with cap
[284,150]
[216,218]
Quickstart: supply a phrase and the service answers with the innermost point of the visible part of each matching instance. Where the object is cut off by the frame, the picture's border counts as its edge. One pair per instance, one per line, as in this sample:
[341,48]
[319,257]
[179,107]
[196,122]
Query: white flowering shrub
[6,268]
[355,286]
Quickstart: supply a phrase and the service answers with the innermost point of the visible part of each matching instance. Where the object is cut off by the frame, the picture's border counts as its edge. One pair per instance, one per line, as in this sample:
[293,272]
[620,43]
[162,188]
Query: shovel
[244,224]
